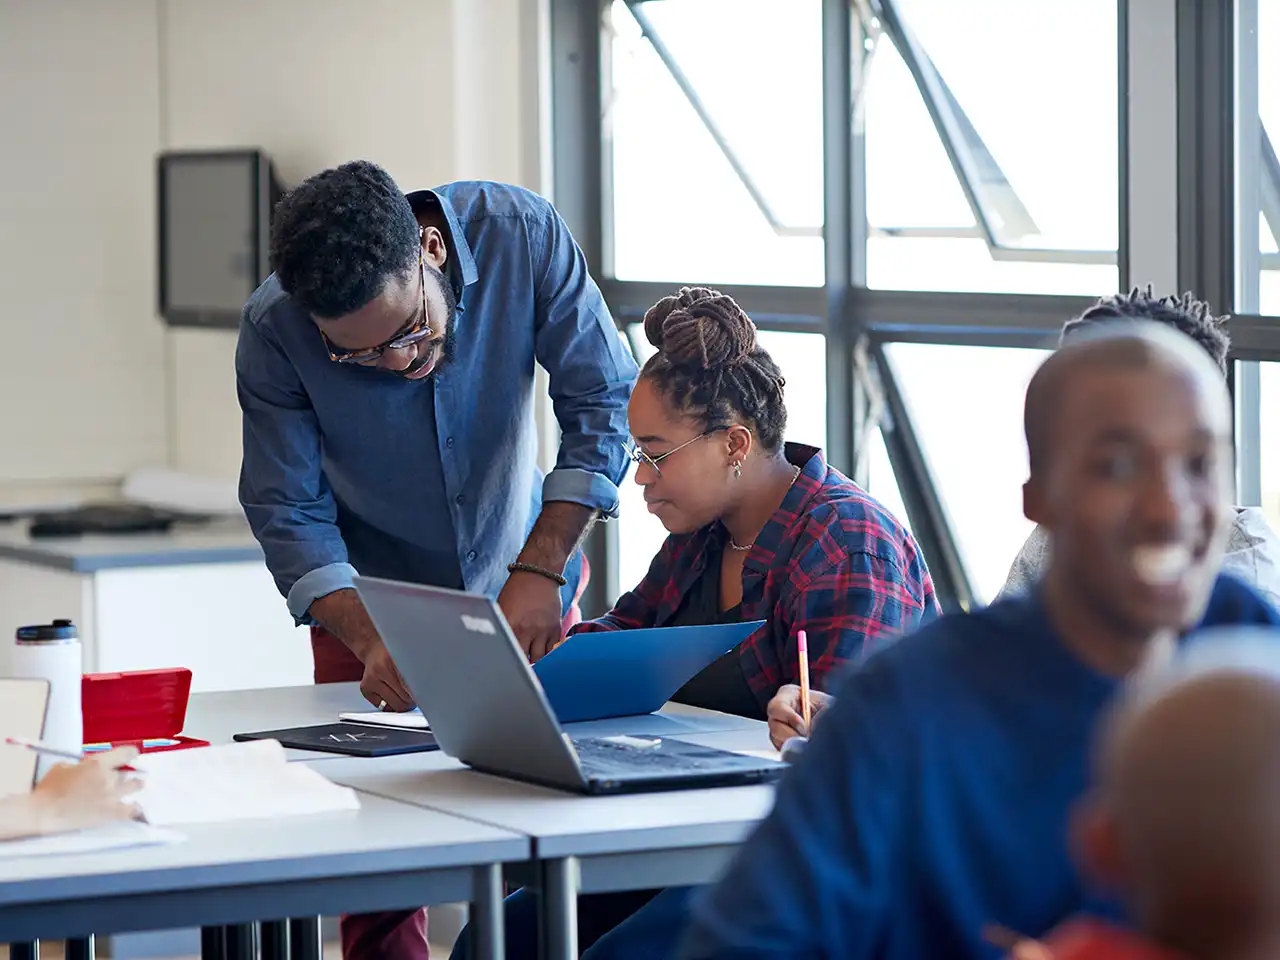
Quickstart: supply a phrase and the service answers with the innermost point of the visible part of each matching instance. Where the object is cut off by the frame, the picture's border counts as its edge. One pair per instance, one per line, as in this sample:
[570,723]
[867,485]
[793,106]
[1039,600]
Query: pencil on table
[802,644]
[44,748]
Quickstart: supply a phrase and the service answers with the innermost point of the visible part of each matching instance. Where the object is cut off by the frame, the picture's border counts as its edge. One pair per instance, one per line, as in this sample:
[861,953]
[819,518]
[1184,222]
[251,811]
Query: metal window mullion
[1247,385]
[781,308]
[837,175]
[578,166]
[1206,135]
[1150,185]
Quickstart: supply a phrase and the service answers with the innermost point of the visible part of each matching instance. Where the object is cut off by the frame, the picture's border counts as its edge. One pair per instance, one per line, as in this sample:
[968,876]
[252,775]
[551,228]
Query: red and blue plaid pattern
[832,562]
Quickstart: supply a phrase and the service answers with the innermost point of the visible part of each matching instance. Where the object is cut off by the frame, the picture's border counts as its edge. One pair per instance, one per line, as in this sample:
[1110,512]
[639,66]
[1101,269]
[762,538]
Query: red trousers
[396,935]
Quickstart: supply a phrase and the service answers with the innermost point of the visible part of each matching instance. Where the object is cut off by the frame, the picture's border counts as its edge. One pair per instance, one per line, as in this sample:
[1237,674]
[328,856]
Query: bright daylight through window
[717,162]
[974,182]
[1265,172]
[1260,273]
[973,441]
[991,154]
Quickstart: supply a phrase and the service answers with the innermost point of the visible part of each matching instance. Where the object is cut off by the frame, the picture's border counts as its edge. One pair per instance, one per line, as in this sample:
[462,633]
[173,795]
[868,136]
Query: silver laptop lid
[472,681]
[22,711]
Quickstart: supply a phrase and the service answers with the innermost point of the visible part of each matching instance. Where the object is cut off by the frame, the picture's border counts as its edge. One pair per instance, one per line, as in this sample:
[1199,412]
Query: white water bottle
[51,652]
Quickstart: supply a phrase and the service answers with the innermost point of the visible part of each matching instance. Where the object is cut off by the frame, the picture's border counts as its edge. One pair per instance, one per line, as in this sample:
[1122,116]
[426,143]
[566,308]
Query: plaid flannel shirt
[832,562]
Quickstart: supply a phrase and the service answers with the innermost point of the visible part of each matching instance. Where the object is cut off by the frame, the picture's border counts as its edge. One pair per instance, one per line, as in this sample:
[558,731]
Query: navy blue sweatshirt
[933,800]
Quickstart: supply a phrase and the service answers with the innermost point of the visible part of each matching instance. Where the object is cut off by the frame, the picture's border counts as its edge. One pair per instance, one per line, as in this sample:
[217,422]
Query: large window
[801,356]
[991,151]
[910,197]
[1257,161]
[716,141]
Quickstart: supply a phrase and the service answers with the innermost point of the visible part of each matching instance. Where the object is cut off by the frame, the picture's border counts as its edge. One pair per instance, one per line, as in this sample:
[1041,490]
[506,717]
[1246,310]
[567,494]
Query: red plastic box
[128,709]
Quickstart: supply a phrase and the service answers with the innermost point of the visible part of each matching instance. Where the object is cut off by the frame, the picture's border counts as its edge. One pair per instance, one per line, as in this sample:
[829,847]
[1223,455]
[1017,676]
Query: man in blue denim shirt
[385,371]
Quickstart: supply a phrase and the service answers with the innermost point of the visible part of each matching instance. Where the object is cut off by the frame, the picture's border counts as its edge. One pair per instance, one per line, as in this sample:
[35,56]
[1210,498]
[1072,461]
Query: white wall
[81,354]
[91,90]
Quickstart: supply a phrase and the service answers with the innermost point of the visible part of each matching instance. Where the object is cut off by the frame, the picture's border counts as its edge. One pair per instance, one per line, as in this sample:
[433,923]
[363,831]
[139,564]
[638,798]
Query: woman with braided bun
[759,529]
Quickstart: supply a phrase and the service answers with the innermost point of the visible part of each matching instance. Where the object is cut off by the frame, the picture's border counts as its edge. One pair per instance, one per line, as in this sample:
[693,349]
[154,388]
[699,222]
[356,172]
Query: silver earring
[737,469]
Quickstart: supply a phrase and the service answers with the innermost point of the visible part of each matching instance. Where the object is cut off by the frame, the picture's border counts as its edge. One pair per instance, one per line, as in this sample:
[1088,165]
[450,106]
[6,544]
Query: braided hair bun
[710,366]
[702,327]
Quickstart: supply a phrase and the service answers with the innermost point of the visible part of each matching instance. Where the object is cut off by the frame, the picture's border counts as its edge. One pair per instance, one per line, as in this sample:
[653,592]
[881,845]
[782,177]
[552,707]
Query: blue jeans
[611,926]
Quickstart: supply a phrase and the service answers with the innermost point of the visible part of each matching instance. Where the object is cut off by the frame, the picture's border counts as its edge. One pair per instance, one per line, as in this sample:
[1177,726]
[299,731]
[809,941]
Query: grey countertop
[220,541]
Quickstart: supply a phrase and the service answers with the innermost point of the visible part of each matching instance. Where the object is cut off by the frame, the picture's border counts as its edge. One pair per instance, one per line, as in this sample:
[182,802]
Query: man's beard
[444,349]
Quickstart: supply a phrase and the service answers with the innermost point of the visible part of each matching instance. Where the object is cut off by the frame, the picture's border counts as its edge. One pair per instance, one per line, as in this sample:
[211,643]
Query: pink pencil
[802,646]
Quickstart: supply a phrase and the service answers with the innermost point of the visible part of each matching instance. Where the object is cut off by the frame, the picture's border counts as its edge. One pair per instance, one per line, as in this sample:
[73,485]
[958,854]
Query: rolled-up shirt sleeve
[591,370]
[283,490]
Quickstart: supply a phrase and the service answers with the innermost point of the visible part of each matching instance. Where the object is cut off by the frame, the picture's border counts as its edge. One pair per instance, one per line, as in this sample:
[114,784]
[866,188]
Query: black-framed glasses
[642,459]
[415,331]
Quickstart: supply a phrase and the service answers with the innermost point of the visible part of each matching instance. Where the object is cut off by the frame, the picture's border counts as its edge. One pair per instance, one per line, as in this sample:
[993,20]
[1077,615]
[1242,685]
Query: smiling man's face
[1136,491]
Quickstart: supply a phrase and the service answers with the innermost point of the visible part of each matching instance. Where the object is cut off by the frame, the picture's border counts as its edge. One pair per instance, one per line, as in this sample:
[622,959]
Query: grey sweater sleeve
[1027,566]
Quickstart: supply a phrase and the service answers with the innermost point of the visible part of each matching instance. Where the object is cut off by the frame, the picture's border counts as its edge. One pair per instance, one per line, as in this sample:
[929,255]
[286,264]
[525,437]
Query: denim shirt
[336,477]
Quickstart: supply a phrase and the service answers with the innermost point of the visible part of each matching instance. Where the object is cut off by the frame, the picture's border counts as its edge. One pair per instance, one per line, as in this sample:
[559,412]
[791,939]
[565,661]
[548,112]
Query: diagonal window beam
[704,116]
[1000,216]
[946,115]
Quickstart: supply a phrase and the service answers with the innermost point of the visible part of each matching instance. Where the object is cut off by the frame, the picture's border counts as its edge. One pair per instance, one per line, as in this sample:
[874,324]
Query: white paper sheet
[239,781]
[413,720]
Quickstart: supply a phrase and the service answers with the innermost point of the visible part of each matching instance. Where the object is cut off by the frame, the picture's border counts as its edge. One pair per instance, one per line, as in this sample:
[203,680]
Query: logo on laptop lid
[479,625]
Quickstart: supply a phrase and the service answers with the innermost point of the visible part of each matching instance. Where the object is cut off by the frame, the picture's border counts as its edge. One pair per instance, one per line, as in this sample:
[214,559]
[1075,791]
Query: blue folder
[623,673]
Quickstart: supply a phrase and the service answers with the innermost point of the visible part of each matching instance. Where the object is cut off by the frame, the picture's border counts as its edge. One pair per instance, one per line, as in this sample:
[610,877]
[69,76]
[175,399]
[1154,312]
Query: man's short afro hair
[1193,317]
[340,236]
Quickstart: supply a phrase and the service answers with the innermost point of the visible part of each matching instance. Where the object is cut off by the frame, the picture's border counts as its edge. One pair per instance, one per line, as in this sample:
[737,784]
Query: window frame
[1195,148]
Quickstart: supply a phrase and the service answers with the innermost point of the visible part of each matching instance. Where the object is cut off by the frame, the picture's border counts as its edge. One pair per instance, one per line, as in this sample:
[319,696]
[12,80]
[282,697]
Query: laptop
[486,707]
[23,704]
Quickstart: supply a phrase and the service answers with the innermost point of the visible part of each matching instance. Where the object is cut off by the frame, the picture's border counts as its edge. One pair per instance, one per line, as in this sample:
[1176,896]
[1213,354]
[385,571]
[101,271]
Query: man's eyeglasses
[415,331]
[642,459]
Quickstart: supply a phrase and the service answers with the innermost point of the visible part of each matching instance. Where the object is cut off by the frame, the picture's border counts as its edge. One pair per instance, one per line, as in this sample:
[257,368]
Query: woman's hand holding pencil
[786,719]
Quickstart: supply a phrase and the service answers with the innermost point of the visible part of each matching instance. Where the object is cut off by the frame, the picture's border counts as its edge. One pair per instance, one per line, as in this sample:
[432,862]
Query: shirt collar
[464,261]
[813,471]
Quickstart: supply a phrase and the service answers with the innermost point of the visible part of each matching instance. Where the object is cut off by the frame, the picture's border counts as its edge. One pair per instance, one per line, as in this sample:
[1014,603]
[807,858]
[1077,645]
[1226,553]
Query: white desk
[579,844]
[386,856]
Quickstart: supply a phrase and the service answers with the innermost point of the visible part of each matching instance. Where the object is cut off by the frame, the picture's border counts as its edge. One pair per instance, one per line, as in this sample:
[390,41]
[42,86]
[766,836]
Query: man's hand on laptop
[531,604]
[382,685]
[785,716]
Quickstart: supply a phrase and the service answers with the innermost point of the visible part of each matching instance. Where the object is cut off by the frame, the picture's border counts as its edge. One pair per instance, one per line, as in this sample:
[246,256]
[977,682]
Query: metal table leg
[558,909]
[485,924]
[275,940]
[213,943]
[304,938]
[242,941]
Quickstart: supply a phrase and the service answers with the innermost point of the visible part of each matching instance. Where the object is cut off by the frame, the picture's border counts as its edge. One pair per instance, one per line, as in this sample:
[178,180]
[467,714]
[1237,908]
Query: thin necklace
[734,545]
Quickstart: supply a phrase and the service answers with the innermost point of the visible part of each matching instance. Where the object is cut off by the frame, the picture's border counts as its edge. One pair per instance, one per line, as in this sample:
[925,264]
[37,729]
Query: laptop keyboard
[612,755]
